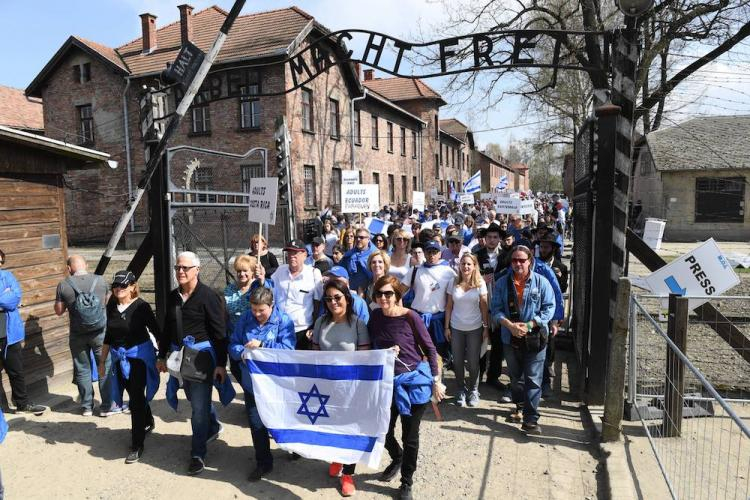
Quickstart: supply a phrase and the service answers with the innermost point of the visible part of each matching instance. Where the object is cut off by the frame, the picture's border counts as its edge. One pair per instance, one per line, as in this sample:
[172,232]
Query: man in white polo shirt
[297,291]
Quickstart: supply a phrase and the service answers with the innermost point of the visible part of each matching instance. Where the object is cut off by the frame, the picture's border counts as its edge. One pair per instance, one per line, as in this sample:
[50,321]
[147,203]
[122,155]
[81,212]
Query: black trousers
[140,411]
[409,436]
[492,361]
[12,362]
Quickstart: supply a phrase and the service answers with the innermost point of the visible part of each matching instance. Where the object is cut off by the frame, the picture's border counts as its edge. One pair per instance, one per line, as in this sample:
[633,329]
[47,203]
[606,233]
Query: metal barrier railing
[700,439]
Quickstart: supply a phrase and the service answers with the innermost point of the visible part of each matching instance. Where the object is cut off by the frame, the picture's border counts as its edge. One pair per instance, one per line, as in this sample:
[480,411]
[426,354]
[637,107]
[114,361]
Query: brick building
[389,129]
[493,170]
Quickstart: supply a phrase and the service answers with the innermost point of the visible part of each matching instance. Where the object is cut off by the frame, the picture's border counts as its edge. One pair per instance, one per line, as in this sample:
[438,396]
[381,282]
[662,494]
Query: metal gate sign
[262,200]
[703,271]
[350,177]
[359,198]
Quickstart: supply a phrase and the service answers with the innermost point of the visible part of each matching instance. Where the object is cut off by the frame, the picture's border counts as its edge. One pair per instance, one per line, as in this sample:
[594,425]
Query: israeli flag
[502,184]
[474,184]
[327,405]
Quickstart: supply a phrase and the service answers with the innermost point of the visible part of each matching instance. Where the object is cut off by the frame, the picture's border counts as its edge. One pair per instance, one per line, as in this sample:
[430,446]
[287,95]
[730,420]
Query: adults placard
[349,177]
[262,200]
[466,198]
[514,206]
[417,200]
[359,198]
[703,271]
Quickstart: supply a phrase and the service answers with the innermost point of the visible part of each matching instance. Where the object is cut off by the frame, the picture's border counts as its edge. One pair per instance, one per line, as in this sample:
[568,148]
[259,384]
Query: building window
[334,104]
[441,153]
[404,196]
[413,144]
[437,166]
[250,107]
[376,178]
[336,186]
[85,125]
[403,141]
[719,199]
[200,114]
[248,172]
[391,189]
[390,137]
[203,180]
[82,73]
[374,132]
[441,188]
[307,110]
[414,183]
[437,129]
[357,129]
[310,200]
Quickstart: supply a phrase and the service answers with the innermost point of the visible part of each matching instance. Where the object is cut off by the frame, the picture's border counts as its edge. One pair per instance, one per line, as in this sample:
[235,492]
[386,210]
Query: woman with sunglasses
[130,325]
[379,264]
[380,242]
[400,257]
[393,326]
[339,329]
[259,250]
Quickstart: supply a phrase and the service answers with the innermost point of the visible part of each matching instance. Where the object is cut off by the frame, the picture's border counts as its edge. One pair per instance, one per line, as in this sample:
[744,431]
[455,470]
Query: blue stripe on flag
[328,372]
[359,443]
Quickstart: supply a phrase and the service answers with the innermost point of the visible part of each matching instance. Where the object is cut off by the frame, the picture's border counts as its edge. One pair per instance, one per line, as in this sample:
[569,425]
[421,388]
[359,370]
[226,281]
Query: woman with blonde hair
[347,239]
[466,326]
[401,243]
[379,264]
[259,250]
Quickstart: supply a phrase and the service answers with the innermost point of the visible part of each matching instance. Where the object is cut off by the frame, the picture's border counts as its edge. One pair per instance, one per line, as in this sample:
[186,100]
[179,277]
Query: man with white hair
[195,320]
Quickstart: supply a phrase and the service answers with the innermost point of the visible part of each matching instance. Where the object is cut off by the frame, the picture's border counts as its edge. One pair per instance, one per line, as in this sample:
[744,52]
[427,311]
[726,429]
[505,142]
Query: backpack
[88,308]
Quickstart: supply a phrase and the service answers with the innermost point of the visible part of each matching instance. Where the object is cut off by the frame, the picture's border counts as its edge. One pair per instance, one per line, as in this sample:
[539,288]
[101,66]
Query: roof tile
[19,111]
[402,89]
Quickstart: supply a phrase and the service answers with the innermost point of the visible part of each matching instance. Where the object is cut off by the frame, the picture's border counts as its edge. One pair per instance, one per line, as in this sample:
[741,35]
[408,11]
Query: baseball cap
[295,246]
[123,278]
[432,245]
[454,237]
[338,272]
[318,240]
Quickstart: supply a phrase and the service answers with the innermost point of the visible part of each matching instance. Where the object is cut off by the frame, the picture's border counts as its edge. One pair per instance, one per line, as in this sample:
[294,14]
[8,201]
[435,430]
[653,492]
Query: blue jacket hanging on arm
[355,263]
[225,389]
[10,298]
[120,362]
[412,388]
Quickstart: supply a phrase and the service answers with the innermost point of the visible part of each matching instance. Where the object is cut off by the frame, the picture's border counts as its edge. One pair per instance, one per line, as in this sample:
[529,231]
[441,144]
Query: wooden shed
[32,235]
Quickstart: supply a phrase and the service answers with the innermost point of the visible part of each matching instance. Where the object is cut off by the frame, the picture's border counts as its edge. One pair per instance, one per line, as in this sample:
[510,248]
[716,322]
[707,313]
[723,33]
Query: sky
[34,30]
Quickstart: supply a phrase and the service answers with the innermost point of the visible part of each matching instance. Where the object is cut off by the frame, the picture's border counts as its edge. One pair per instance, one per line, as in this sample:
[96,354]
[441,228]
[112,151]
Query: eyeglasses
[361,237]
[387,294]
[519,261]
[399,239]
[334,298]
[184,269]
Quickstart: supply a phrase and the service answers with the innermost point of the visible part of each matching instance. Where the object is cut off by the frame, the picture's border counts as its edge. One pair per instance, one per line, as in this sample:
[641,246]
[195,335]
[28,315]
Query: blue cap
[339,272]
[432,245]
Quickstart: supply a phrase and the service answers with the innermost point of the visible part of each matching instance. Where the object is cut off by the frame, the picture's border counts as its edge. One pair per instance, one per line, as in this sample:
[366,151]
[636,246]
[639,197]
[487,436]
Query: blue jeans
[261,442]
[81,344]
[203,420]
[525,370]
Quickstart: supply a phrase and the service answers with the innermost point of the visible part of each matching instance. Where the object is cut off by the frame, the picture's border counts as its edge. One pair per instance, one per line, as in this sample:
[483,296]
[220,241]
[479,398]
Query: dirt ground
[472,453]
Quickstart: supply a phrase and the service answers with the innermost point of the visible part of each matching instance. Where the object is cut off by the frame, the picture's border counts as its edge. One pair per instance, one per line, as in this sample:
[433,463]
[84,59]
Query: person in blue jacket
[11,336]
[355,260]
[523,305]
[266,326]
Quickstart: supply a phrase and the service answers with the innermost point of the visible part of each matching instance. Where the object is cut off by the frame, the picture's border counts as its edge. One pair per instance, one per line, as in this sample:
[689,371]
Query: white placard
[485,196]
[509,205]
[466,198]
[262,200]
[440,197]
[359,198]
[433,193]
[703,271]
[349,177]
[417,200]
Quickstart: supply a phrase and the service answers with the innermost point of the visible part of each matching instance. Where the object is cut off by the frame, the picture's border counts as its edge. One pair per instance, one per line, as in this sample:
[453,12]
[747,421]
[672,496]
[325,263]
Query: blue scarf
[225,389]
[412,388]
[120,361]
[3,427]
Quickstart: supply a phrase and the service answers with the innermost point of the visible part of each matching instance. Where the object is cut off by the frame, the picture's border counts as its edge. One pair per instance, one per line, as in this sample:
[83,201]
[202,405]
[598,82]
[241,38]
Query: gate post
[614,403]
[674,392]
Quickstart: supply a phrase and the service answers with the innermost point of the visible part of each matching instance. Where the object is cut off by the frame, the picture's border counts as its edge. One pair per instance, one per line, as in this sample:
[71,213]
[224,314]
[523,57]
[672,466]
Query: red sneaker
[347,485]
[334,470]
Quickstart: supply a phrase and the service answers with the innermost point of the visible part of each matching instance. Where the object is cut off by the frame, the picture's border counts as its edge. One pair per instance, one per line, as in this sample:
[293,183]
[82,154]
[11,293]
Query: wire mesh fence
[700,438]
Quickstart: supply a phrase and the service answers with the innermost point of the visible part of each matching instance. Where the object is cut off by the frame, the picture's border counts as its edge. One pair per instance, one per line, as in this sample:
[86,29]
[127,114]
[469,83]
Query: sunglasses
[519,261]
[399,239]
[361,237]
[184,269]
[387,294]
[334,298]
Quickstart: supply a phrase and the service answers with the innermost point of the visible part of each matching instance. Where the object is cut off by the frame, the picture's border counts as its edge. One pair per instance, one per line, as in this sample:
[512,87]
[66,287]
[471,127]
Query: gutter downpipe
[127,145]
[351,124]
[419,160]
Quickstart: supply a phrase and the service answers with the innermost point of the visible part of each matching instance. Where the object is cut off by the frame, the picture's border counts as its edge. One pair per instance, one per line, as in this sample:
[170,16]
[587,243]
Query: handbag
[536,339]
[195,366]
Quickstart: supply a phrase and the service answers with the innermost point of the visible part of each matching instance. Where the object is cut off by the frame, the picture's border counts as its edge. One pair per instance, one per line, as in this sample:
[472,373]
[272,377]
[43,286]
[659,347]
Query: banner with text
[466,198]
[262,204]
[350,177]
[359,198]
[417,200]
[515,206]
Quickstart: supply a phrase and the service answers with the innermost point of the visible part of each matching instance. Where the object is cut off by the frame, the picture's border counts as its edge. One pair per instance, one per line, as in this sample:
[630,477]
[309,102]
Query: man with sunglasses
[355,260]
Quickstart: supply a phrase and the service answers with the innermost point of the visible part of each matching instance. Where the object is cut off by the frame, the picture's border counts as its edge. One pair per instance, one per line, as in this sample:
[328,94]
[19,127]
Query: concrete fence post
[614,399]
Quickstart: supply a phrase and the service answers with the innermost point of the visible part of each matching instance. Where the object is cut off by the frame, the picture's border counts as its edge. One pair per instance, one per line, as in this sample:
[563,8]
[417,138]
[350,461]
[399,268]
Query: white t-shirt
[466,314]
[332,240]
[400,272]
[295,295]
[430,286]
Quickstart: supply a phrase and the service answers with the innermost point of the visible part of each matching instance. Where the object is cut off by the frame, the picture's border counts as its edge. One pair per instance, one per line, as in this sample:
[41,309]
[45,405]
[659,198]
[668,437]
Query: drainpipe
[351,123]
[127,144]
[420,173]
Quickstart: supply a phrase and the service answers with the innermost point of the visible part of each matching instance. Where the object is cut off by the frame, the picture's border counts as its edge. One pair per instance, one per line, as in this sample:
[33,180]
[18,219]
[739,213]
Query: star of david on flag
[327,405]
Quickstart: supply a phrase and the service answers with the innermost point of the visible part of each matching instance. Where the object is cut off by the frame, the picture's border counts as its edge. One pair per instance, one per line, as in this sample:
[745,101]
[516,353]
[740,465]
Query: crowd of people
[453,287]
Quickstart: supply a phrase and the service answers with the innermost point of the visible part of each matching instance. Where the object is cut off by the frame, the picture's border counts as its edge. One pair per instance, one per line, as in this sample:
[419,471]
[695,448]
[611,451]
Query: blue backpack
[88,308]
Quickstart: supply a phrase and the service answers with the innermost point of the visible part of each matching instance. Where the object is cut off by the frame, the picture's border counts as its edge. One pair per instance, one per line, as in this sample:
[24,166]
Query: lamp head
[634,8]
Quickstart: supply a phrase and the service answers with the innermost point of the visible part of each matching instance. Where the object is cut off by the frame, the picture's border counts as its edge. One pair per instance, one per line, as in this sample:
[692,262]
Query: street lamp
[634,8]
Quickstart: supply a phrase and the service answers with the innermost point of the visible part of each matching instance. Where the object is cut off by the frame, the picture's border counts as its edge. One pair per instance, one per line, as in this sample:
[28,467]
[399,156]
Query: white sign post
[349,177]
[433,193]
[417,200]
[262,200]
[703,271]
[359,198]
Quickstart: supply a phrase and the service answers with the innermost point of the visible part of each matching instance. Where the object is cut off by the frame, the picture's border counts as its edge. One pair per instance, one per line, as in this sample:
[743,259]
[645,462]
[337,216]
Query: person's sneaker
[258,473]
[196,466]
[347,486]
[390,472]
[126,409]
[516,416]
[461,399]
[150,427]
[334,470]
[404,492]
[134,455]
[215,436]
[113,410]
[31,408]
[530,428]
[506,397]
[87,412]
[473,400]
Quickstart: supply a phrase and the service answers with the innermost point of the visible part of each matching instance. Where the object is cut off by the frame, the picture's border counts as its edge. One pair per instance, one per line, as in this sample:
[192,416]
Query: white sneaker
[460,399]
[473,401]
[87,412]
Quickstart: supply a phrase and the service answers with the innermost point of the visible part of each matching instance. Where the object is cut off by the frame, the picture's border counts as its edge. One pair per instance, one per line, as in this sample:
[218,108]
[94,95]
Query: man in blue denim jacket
[534,303]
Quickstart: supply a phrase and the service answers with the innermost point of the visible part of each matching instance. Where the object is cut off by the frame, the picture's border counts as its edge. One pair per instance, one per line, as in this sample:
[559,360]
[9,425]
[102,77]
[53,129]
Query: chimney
[148,27]
[368,74]
[186,23]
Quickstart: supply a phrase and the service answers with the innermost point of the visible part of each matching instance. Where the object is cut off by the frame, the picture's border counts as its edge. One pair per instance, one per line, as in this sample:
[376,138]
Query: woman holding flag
[339,329]
[393,326]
